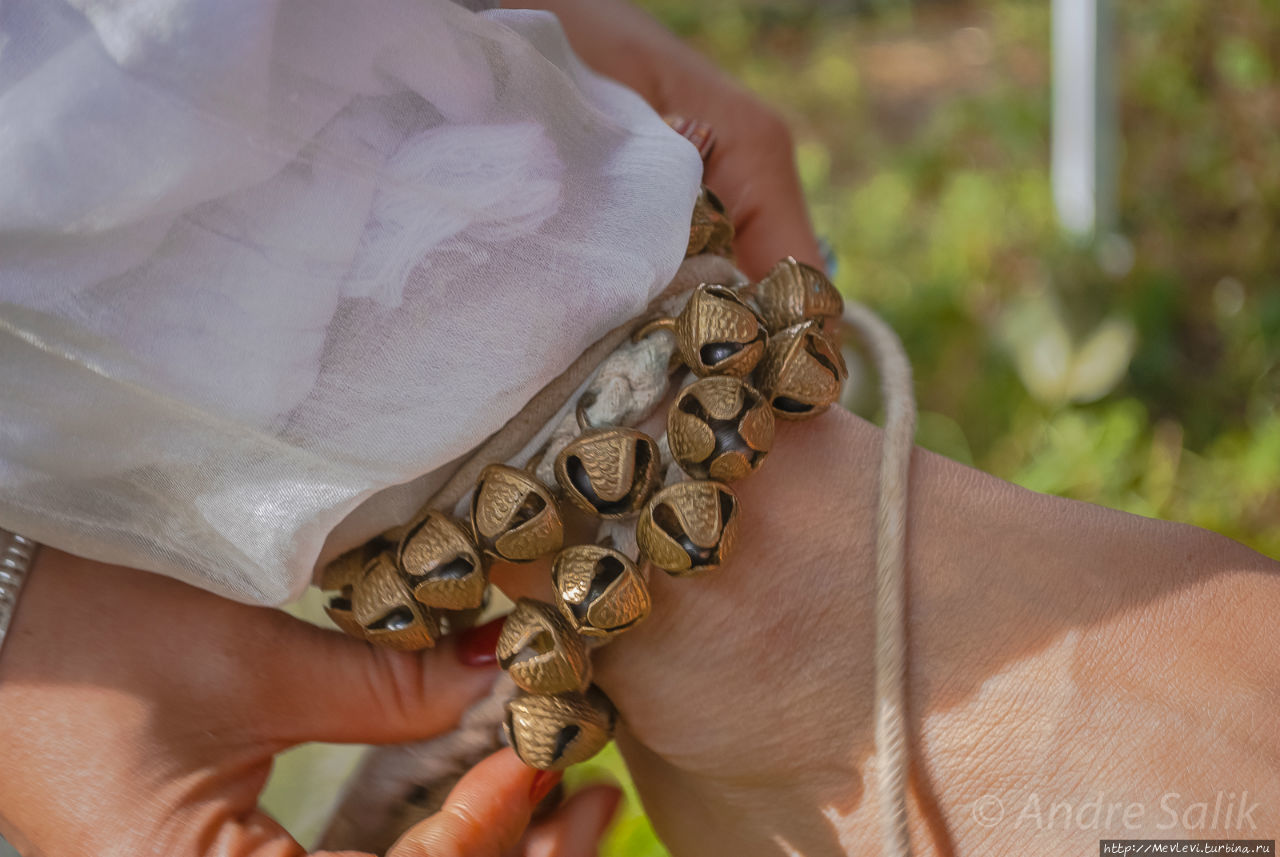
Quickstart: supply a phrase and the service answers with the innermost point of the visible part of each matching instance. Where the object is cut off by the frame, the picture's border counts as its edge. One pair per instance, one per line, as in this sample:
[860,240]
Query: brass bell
[716,333]
[794,292]
[338,609]
[385,609]
[349,567]
[719,428]
[689,527]
[443,566]
[711,230]
[802,372]
[599,590]
[540,650]
[513,516]
[610,472]
[342,574]
[551,733]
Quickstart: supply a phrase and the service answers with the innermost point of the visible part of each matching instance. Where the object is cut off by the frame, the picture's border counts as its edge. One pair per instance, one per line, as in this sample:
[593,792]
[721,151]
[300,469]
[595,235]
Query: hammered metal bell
[718,334]
[719,428]
[599,590]
[443,566]
[338,609]
[341,575]
[794,292]
[514,517]
[802,372]
[711,230]
[540,650]
[551,733]
[689,528]
[385,609]
[610,472]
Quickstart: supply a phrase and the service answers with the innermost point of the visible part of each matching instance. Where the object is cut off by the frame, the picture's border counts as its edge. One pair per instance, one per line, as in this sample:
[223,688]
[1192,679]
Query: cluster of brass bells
[760,353]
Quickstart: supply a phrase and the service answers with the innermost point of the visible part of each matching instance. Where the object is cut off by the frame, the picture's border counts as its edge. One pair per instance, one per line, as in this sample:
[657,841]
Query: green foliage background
[1139,372]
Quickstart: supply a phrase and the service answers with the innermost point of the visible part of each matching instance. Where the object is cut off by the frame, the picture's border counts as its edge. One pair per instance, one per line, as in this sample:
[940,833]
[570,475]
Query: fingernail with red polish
[543,783]
[476,645]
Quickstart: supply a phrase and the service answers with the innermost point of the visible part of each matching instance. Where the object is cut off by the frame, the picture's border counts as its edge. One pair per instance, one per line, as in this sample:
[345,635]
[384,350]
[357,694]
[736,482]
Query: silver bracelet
[16,554]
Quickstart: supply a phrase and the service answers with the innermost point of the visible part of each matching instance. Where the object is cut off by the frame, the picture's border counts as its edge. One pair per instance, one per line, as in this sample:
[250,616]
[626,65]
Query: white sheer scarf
[261,261]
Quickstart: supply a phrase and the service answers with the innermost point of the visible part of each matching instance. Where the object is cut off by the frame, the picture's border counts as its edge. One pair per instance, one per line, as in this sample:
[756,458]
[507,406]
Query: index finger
[754,173]
[486,813]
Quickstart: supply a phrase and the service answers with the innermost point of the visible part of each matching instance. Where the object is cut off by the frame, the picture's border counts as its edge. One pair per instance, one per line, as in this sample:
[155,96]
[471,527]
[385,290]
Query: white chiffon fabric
[263,262]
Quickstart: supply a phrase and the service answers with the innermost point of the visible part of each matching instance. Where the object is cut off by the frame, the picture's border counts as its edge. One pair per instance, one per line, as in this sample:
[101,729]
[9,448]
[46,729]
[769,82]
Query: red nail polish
[476,645]
[543,783]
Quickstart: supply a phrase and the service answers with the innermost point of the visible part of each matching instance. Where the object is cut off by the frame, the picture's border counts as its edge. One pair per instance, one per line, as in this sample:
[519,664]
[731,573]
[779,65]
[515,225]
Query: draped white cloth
[263,260]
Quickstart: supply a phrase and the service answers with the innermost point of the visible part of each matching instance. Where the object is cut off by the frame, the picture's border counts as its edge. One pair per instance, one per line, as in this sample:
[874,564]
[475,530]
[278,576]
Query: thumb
[486,813]
[319,685]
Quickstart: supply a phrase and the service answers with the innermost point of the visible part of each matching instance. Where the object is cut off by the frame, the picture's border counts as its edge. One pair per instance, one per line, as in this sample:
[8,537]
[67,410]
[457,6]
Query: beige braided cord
[893,759]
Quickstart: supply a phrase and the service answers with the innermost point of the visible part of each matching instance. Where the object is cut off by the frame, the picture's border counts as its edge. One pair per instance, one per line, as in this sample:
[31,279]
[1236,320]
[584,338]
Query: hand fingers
[575,829]
[754,172]
[317,685]
[485,814]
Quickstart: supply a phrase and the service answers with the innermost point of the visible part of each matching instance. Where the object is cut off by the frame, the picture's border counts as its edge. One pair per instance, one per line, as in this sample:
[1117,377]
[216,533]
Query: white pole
[1083,171]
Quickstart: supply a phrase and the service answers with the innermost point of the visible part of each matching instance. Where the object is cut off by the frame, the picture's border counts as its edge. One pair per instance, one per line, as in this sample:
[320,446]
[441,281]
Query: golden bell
[540,650]
[718,334]
[599,590]
[349,567]
[689,528]
[794,292]
[338,609]
[719,428]
[443,566]
[342,574]
[551,733]
[711,230]
[802,372]
[610,472]
[513,516]
[385,609]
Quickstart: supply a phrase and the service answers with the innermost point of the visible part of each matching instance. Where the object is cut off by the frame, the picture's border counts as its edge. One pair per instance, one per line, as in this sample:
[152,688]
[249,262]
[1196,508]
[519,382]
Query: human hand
[1057,650]
[752,168]
[140,716]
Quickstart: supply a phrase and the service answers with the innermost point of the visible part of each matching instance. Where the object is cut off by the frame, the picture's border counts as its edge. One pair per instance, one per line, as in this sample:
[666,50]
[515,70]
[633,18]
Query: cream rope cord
[399,785]
[893,758]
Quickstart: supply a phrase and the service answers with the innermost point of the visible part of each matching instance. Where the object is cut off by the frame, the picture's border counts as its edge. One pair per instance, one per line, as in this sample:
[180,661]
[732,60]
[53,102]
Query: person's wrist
[1039,633]
[1093,661]
[746,693]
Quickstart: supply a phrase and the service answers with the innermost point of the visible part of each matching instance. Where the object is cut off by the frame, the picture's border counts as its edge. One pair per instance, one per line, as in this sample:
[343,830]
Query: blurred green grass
[1140,372]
